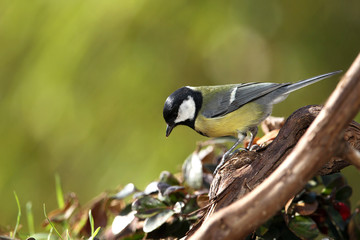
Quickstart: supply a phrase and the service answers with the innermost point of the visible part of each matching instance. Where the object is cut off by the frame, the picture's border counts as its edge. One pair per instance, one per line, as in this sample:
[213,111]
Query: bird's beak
[168,130]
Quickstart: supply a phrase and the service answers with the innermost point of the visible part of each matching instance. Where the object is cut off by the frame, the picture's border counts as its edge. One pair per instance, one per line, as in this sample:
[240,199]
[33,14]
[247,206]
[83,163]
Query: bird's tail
[303,83]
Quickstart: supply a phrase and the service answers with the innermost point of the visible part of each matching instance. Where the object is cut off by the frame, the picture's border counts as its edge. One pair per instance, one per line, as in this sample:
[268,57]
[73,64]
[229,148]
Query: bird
[228,110]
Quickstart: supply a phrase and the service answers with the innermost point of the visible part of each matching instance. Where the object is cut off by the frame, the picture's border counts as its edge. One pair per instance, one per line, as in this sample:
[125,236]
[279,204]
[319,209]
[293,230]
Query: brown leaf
[268,138]
[207,155]
[287,205]
[116,205]
[98,208]
[272,123]
[202,200]
[306,209]
[247,141]
[64,214]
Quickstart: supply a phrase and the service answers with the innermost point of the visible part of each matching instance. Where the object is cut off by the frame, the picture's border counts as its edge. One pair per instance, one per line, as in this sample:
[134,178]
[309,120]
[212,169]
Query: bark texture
[253,186]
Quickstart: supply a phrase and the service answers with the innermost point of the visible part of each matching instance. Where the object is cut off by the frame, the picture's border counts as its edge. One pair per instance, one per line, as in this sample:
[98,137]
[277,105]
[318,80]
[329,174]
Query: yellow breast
[231,124]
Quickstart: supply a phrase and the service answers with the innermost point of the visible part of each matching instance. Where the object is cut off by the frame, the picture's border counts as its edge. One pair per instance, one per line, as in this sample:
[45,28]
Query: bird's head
[181,108]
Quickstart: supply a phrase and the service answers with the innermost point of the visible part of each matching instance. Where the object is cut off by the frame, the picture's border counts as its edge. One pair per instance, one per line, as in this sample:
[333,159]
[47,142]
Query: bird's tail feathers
[295,86]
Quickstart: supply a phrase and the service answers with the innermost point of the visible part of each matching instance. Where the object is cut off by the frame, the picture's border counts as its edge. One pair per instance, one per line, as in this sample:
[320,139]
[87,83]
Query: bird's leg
[226,155]
[253,131]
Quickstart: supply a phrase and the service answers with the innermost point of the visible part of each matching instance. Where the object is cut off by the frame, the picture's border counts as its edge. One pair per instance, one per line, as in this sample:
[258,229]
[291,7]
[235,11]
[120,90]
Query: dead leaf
[98,208]
[272,123]
[202,200]
[288,204]
[306,209]
[64,214]
[268,138]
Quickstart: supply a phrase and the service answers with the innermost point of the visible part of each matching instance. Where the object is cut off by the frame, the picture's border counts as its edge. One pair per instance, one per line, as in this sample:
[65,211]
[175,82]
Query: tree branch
[352,156]
[320,142]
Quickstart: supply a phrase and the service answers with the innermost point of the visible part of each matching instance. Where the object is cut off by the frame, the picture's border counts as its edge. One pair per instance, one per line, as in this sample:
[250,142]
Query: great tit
[228,110]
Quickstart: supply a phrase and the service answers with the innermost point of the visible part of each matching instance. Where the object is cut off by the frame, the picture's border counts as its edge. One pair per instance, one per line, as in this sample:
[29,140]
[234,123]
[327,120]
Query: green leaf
[190,206]
[344,193]
[261,230]
[326,191]
[335,217]
[304,227]
[309,197]
[126,210]
[126,191]
[332,183]
[333,180]
[147,206]
[192,171]
[151,188]
[157,220]
[172,194]
[121,222]
[173,189]
[162,187]
[168,178]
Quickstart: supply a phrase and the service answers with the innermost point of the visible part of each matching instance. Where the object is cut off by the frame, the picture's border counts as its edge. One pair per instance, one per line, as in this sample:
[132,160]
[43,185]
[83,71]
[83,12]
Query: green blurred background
[82,83]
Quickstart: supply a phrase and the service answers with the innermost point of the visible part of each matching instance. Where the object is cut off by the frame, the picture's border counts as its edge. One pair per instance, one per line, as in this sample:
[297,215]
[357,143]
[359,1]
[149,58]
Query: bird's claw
[254,147]
[221,163]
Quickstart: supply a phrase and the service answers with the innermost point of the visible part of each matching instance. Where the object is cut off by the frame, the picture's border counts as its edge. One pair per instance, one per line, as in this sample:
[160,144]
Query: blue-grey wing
[228,99]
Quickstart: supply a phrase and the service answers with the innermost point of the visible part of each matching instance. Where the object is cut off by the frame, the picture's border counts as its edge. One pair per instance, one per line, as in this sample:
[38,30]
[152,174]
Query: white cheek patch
[186,110]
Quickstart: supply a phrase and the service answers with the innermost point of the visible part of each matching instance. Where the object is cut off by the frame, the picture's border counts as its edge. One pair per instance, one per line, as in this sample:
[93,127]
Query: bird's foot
[221,163]
[254,147]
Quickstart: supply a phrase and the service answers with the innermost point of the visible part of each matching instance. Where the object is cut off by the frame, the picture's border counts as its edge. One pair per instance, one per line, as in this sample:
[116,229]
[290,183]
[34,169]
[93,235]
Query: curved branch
[319,143]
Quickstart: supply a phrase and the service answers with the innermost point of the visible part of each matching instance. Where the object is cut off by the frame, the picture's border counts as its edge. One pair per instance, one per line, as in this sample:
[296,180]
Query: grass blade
[18,216]
[30,218]
[49,236]
[52,225]
[59,192]
[91,220]
[68,235]
[95,233]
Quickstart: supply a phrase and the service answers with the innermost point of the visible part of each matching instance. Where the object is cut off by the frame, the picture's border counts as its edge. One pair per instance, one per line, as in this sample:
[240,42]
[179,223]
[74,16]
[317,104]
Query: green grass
[52,225]
[50,233]
[18,216]
[30,218]
[93,233]
[59,192]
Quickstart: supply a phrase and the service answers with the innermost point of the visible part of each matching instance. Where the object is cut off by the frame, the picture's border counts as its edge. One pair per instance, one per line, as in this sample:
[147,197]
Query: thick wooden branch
[248,169]
[274,182]
[352,156]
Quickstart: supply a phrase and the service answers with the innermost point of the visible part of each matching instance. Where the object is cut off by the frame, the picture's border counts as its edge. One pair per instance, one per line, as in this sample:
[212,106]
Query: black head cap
[181,108]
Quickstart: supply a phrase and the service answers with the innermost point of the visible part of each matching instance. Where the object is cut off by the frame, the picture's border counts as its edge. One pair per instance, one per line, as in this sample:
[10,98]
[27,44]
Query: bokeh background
[83,83]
